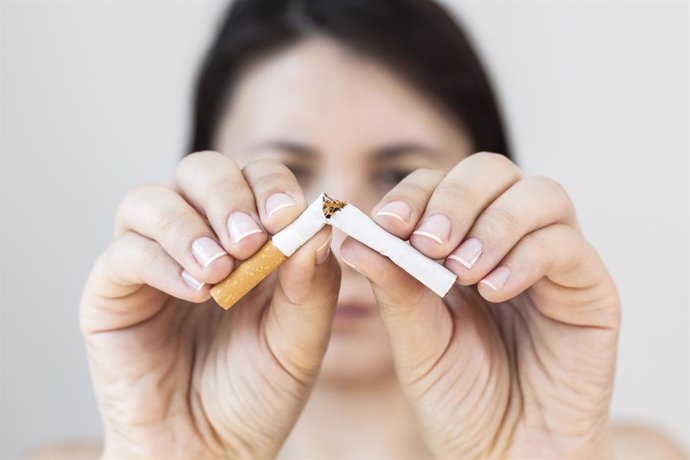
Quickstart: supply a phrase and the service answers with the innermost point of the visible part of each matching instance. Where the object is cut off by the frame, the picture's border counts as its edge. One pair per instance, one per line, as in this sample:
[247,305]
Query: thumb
[298,321]
[418,322]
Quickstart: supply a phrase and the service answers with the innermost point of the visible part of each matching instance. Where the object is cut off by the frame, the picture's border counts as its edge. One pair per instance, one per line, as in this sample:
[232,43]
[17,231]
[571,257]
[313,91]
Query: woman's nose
[351,187]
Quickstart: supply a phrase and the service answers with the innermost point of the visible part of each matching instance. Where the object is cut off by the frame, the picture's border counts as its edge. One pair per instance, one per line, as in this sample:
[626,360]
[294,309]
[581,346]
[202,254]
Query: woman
[382,104]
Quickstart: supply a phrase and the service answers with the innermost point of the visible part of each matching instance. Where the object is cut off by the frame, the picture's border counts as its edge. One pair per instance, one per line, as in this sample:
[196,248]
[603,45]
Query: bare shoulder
[633,441]
[67,450]
[630,442]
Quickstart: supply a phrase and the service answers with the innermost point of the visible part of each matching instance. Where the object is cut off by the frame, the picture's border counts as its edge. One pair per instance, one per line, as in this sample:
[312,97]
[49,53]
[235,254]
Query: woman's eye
[391,177]
[302,174]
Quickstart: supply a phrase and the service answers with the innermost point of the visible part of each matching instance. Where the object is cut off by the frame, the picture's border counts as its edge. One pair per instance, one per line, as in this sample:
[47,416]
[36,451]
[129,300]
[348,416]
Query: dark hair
[418,38]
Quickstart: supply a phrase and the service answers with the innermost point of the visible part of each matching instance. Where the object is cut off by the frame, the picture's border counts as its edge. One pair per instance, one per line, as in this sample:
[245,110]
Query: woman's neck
[356,420]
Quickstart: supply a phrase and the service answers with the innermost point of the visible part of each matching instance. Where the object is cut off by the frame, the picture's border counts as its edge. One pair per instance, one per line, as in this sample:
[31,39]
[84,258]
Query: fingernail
[278,201]
[396,209]
[497,278]
[205,251]
[468,253]
[351,265]
[241,225]
[323,252]
[191,281]
[435,227]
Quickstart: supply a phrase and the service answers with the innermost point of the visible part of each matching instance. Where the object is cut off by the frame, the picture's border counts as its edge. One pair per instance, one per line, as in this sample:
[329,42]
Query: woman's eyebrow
[394,151]
[381,154]
[288,146]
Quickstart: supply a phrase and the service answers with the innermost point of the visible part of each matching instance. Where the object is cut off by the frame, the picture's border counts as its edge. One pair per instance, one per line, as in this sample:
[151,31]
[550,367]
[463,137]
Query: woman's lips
[352,310]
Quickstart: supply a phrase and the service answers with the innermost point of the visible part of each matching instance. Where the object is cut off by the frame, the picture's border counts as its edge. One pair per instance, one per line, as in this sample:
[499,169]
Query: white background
[95,98]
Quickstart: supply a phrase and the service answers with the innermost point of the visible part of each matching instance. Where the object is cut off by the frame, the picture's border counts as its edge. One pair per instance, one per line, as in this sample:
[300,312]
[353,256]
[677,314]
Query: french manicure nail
[396,209]
[323,252]
[278,201]
[351,265]
[435,227]
[468,253]
[497,278]
[191,281]
[206,250]
[241,225]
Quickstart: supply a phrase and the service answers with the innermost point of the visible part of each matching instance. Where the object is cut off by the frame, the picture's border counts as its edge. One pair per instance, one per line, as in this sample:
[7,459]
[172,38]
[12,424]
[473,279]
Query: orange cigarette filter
[245,277]
[281,246]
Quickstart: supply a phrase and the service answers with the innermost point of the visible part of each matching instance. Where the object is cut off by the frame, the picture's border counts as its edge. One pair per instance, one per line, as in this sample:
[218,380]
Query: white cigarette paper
[359,226]
[302,229]
[353,222]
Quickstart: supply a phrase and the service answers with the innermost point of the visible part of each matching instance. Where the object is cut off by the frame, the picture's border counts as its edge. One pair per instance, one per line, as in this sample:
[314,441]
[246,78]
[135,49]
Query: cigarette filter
[353,222]
[249,273]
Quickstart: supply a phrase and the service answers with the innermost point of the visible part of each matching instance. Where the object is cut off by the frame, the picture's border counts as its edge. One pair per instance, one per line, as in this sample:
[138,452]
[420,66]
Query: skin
[389,369]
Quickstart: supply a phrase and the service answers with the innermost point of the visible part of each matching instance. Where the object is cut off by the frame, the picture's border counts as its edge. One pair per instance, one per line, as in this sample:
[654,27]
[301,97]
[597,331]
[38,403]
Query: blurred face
[348,126]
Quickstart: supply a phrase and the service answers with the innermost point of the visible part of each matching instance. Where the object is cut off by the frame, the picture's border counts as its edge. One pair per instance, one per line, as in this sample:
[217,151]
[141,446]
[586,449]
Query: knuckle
[537,244]
[106,258]
[171,224]
[275,180]
[558,199]
[409,189]
[194,162]
[492,156]
[148,254]
[450,192]
[569,235]
[264,164]
[134,196]
[196,157]
[223,190]
[117,251]
[425,174]
[172,227]
[419,181]
[499,220]
[499,161]
[551,186]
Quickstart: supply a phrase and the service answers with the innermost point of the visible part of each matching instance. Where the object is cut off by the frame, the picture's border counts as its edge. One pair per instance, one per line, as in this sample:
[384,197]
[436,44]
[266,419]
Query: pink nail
[435,227]
[351,265]
[497,278]
[192,282]
[468,253]
[205,251]
[241,225]
[278,201]
[322,252]
[397,209]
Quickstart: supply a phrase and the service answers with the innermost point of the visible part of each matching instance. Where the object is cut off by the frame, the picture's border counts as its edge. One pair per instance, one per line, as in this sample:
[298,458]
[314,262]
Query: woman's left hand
[518,359]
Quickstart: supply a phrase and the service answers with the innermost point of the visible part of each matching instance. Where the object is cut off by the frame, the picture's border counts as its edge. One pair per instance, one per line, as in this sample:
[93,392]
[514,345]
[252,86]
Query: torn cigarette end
[247,275]
[331,206]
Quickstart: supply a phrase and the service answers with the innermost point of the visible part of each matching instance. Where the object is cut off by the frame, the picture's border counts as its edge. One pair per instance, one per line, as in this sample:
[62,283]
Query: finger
[162,215]
[553,257]
[417,320]
[298,322]
[459,198]
[131,262]
[400,209]
[279,197]
[528,205]
[215,186]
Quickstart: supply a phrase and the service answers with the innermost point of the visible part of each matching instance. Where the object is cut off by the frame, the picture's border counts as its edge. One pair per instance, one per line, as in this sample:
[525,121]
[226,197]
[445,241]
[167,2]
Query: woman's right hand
[174,374]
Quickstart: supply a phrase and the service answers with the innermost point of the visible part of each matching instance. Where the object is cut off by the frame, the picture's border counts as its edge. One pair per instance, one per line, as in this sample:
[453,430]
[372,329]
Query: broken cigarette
[359,226]
[281,246]
[353,222]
